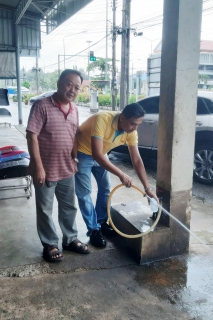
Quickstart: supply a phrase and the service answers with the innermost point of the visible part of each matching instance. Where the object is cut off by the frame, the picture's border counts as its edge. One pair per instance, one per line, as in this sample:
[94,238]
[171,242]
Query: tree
[203,78]
[53,79]
[99,65]
[26,84]
[47,81]
[83,73]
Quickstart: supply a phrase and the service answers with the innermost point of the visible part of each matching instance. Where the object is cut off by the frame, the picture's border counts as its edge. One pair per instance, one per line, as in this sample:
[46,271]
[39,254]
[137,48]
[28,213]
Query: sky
[88,27]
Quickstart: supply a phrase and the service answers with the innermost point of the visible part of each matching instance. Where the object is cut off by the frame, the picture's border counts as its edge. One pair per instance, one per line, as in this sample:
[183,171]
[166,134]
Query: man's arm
[97,153]
[140,170]
[36,166]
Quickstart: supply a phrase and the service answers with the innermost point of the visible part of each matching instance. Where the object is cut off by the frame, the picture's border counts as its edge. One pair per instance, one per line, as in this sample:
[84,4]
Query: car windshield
[151,105]
[209,104]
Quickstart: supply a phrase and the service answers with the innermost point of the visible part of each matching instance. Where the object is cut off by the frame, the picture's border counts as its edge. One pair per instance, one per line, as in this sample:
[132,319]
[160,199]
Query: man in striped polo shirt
[52,126]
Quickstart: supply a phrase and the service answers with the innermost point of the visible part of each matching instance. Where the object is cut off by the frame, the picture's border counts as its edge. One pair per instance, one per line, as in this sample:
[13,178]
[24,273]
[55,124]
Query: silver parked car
[203,156]
[41,96]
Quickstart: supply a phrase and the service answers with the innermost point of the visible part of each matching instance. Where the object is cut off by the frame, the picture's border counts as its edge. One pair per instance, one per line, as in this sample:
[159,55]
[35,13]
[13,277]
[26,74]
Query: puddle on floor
[185,281]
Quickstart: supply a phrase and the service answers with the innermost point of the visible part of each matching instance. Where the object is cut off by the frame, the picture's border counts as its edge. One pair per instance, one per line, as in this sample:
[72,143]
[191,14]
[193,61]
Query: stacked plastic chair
[14,164]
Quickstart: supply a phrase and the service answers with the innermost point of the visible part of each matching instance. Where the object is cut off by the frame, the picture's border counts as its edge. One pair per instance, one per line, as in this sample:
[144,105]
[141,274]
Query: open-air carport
[20,36]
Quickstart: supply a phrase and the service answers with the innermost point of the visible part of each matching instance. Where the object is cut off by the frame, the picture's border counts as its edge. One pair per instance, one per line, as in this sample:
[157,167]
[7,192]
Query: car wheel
[203,164]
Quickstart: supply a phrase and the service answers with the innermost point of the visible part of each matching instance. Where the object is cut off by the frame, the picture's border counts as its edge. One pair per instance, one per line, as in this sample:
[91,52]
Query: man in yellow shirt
[97,136]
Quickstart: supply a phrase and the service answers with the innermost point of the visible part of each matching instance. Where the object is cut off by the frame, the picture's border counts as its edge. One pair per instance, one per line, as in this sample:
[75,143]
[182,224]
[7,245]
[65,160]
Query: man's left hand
[75,167]
[152,194]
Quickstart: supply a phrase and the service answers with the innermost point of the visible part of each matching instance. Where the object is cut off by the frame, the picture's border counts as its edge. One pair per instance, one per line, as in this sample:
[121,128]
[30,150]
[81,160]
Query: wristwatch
[148,189]
[76,160]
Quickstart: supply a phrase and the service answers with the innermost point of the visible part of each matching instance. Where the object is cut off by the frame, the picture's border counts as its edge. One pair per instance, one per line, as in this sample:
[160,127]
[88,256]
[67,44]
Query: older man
[52,126]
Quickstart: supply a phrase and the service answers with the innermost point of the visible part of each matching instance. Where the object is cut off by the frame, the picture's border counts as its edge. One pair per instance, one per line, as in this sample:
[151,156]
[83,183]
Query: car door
[146,131]
[202,120]
[202,117]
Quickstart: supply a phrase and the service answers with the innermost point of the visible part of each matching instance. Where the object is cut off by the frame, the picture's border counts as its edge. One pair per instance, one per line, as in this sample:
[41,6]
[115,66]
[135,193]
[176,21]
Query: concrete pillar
[20,118]
[178,101]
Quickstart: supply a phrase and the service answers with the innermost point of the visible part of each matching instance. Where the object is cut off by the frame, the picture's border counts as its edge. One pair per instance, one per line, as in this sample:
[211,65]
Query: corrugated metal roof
[36,7]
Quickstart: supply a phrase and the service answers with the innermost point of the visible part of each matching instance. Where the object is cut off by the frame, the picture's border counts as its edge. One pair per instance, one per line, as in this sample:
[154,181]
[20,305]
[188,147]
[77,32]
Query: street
[199,191]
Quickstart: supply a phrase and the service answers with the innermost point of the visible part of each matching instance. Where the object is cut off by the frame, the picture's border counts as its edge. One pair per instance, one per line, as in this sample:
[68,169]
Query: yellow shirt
[104,126]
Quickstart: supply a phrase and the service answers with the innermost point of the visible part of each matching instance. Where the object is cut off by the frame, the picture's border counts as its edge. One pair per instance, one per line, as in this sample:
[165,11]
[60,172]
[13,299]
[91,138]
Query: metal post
[131,82]
[106,60]
[18,75]
[148,78]
[114,36]
[89,41]
[59,65]
[137,85]
[37,70]
[132,87]
[124,79]
[64,53]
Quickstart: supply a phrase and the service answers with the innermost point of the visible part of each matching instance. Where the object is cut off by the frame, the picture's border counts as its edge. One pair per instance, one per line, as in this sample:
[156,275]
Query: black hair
[133,110]
[72,71]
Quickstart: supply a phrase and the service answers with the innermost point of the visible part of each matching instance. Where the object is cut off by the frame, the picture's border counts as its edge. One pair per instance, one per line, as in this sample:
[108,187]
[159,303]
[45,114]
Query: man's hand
[38,175]
[152,194]
[75,167]
[125,180]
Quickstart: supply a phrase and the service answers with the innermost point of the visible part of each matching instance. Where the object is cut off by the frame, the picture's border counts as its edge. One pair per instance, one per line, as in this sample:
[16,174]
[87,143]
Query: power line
[80,51]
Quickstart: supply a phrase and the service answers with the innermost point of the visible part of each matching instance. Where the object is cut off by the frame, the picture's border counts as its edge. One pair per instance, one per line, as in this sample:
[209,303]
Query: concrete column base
[134,218]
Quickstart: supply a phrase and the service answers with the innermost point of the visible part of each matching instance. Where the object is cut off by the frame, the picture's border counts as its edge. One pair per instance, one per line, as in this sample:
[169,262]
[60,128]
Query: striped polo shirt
[56,133]
[104,126]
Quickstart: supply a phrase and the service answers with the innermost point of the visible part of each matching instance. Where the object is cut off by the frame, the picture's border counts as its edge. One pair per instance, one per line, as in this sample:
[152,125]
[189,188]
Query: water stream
[181,224]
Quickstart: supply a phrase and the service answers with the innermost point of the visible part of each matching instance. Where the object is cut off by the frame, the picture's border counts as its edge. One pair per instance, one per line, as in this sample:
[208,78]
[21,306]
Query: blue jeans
[65,194]
[93,217]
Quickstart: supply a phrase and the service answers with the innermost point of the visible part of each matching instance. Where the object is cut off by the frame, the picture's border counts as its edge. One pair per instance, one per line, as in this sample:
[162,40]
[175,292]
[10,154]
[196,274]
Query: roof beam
[38,8]
[22,7]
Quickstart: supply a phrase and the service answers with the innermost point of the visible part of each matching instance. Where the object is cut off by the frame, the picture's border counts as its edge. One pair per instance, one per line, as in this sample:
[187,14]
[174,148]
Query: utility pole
[131,82]
[59,65]
[89,41]
[114,36]
[137,85]
[124,79]
[37,70]
[106,60]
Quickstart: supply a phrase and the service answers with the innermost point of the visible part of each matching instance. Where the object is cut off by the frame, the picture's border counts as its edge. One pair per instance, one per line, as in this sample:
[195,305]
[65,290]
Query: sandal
[77,246]
[52,256]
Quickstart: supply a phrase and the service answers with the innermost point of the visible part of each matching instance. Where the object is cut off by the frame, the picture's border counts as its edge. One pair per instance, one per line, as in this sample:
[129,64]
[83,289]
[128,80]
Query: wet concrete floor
[106,284]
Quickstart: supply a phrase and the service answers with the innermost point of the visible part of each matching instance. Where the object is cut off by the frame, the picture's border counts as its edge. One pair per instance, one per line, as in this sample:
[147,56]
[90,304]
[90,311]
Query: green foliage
[24,98]
[104,100]
[204,78]
[118,100]
[15,98]
[99,65]
[83,98]
[83,73]
[26,84]
[53,79]
[132,99]
[46,81]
